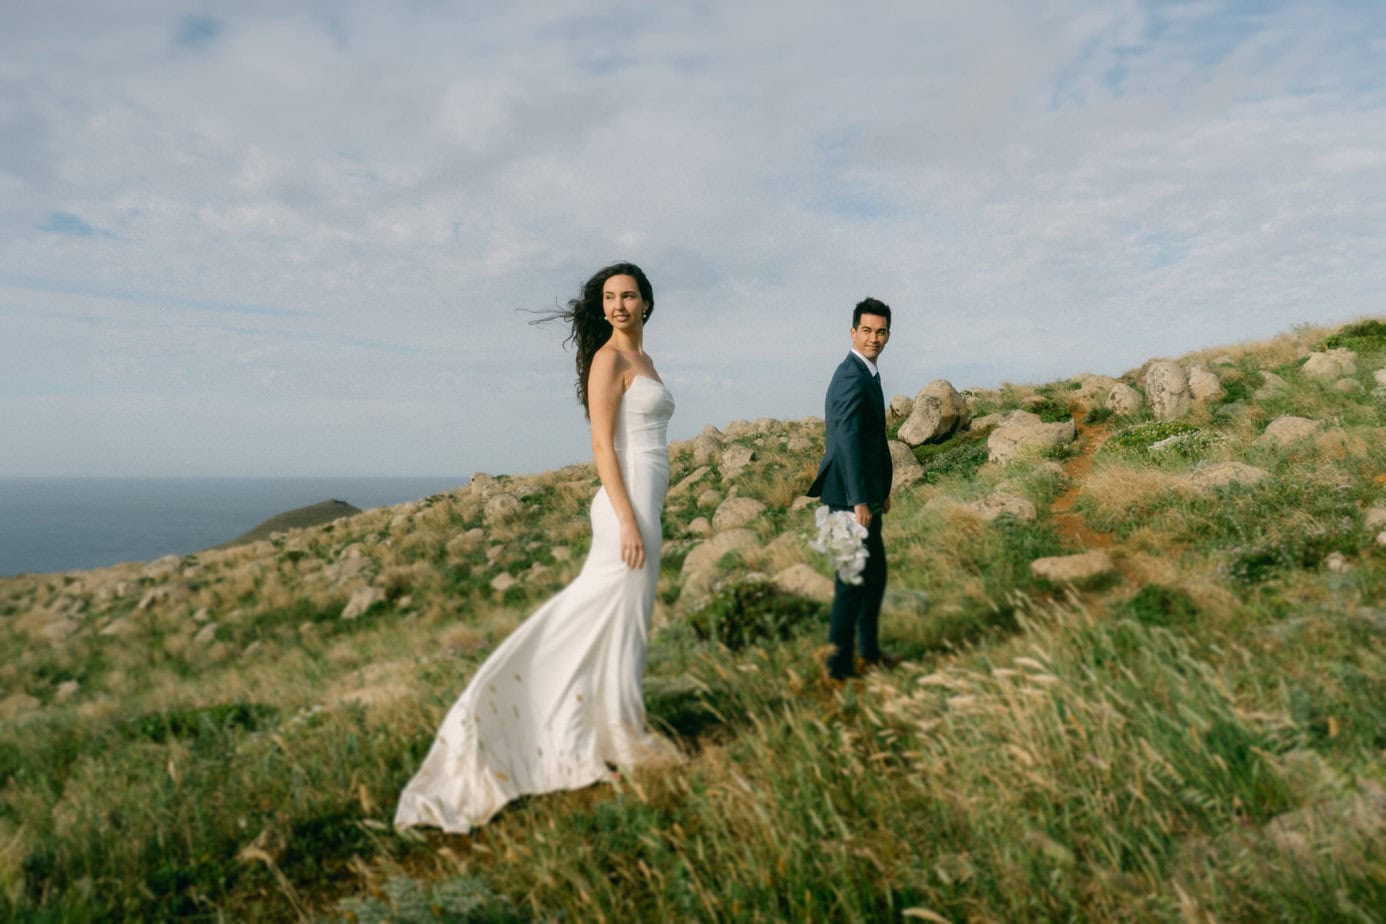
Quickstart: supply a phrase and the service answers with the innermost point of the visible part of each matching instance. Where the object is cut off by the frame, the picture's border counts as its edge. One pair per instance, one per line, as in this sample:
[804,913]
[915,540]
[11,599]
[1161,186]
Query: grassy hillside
[1195,732]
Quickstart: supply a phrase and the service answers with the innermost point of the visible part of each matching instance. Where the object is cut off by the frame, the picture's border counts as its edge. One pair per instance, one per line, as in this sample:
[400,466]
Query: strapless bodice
[643,419]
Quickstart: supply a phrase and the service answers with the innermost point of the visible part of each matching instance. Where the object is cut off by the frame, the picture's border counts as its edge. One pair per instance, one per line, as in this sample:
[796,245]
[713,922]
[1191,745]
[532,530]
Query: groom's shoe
[886,662]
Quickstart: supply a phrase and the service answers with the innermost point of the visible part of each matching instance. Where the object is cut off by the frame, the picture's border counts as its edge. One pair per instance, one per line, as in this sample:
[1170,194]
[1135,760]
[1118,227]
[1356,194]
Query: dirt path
[1073,526]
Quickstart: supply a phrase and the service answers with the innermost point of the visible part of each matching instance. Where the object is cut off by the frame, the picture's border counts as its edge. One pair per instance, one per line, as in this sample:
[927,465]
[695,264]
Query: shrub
[1155,605]
[959,455]
[1363,337]
[1138,439]
[750,611]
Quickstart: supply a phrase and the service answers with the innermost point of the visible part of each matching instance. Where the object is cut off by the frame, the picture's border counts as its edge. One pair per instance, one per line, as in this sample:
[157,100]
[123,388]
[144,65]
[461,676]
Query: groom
[855,475]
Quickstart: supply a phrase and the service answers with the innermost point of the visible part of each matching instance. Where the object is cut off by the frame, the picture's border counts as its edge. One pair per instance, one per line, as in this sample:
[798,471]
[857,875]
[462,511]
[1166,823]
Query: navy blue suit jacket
[856,467]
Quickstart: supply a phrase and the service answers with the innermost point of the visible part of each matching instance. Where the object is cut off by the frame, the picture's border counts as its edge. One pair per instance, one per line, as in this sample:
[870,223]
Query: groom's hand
[863,512]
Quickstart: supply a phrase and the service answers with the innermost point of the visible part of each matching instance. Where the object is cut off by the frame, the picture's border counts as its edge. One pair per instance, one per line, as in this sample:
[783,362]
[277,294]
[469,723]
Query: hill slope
[1187,725]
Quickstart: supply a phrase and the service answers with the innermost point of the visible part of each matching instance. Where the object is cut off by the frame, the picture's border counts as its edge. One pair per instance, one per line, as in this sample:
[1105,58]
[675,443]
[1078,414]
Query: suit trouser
[857,608]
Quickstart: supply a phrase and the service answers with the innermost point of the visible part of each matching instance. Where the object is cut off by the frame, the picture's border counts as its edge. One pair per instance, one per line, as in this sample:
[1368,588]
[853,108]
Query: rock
[482,485]
[985,422]
[804,581]
[118,627]
[503,582]
[907,467]
[1073,569]
[206,635]
[739,428]
[1381,538]
[799,444]
[1380,376]
[202,615]
[734,459]
[1337,563]
[154,597]
[700,571]
[1348,387]
[501,508]
[1215,475]
[689,480]
[1167,390]
[1023,433]
[361,600]
[1374,517]
[1286,430]
[463,543]
[710,498]
[1094,389]
[707,447]
[561,553]
[937,413]
[899,408]
[699,526]
[1272,384]
[1204,386]
[736,511]
[1330,365]
[60,629]
[66,691]
[989,508]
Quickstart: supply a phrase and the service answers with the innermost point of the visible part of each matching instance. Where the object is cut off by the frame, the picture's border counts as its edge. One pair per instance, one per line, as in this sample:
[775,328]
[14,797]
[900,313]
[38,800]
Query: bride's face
[622,304]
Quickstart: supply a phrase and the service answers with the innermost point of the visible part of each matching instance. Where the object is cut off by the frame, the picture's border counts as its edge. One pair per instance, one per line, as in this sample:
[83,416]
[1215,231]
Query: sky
[303,238]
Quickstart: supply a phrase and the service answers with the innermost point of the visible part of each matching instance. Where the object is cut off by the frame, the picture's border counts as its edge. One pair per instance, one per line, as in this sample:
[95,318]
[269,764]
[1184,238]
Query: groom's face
[870,335]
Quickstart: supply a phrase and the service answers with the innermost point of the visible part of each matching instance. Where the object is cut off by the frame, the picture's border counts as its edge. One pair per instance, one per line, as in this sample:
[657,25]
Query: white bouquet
[843,540]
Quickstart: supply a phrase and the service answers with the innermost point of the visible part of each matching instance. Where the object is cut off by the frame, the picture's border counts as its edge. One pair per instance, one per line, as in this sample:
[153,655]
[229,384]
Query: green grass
[1133,752]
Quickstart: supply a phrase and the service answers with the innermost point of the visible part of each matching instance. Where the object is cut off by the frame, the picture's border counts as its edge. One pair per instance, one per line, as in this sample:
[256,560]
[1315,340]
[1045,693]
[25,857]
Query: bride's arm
[605,386]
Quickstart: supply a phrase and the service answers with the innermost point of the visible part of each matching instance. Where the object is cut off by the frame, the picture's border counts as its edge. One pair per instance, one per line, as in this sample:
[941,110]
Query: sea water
[71,524]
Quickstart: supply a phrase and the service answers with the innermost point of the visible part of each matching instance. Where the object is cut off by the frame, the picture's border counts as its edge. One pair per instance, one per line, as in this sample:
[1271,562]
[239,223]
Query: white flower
[843,540]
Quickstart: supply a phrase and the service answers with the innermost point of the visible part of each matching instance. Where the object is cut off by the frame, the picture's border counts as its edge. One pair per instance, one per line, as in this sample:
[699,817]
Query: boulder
[989,508]
[1167,390]
[1379,376]
[361,600]
[503,582]
[1204,386]
[699,574]
[1283,431]
[907,467]
[1073,569]
[689,480]
[1216,474]
[698,526]
[1330,365]
[501,508]
[802,580]
[899,408]
[734,459]
[1271,384]
[1375,517]
[799,444]
[735,512]
[707,446]
[710,498]
[1123,399]
[1022,433]
[1093,390]
[938,412]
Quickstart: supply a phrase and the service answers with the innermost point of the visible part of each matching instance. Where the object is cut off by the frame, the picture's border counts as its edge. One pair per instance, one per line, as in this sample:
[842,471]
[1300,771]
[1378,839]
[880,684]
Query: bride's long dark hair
[589,326]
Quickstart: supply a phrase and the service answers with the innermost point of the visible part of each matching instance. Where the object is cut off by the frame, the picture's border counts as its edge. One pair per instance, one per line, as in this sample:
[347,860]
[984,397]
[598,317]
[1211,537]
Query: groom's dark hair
[870,306]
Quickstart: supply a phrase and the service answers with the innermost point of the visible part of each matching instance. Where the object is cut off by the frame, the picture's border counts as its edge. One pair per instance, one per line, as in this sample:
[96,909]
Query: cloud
[1036,191]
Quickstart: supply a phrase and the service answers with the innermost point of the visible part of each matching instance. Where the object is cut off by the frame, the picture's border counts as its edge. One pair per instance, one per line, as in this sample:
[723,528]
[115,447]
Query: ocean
[69,524]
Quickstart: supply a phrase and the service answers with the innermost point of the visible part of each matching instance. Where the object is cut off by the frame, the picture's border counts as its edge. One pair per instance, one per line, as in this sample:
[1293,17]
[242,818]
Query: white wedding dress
[562,697]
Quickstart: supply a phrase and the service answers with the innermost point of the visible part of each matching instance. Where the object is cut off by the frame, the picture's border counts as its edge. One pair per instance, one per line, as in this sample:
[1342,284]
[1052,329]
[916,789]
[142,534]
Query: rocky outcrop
[1330,365]
[1021,433]
[1287,430]
[907,468]
[1204,386]
[1081,569]
[1167,390]
[736,512]
[938,412]
[1217,474]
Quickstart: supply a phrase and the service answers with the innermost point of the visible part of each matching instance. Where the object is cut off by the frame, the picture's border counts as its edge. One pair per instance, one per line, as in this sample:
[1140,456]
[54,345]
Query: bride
[561,699]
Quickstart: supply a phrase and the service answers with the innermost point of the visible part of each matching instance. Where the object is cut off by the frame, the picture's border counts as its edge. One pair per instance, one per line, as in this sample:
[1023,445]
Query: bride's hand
[632,546]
